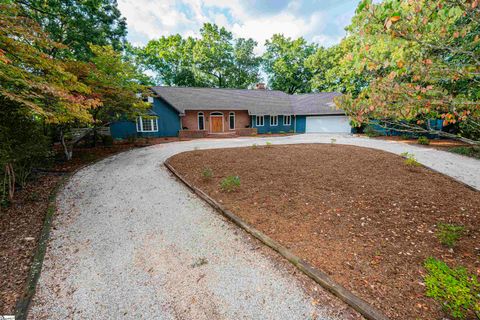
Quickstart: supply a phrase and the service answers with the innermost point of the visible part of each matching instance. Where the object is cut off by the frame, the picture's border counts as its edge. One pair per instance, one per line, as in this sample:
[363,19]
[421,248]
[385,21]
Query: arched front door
[216,122]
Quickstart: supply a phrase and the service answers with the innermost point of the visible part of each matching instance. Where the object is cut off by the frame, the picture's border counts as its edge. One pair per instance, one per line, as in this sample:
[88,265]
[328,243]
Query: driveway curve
[131,242]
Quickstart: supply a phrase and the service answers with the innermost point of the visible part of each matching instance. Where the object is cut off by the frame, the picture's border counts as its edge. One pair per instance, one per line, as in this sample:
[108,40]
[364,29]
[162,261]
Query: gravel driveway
[129,241]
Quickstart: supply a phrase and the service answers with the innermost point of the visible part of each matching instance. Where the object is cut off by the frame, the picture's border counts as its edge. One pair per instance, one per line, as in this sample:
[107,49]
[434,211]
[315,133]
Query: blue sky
[321,21]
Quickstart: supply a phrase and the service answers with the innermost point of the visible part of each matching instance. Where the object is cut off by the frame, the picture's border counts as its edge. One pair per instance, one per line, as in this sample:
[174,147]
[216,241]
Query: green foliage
[285,64]
[405,137]
[456,289]
[420,60]
[371,132]
[207,174]
[410,159]
[216,59]
[107,141]
[254,146]
[24,147]
[423,140]
[79,24]
[268,144]
[230,184]
[449,234]
[467,151]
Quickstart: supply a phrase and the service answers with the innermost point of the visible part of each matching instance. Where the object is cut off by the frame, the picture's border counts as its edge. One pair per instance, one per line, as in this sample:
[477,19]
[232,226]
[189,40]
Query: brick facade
[190,120]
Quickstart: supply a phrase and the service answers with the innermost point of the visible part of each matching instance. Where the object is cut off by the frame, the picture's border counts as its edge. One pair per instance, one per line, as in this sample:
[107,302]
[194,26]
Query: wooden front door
[217,123]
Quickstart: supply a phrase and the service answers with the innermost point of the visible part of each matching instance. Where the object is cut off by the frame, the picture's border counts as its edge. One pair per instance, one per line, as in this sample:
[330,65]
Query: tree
[76,24]
[215,59]
[113,81]
[425,60]
[285,64]
[171,58]
[34,87]
[333,72]
[226,63]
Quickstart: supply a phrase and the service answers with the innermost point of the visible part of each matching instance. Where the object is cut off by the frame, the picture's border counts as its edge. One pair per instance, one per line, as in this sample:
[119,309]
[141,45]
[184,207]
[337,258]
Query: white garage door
[328,124]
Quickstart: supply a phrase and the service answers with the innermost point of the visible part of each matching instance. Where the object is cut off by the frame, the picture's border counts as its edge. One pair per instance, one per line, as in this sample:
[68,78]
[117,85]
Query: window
[259,121]
[201,121]
[274,121]
[149,124]
[287,120]
[231,121]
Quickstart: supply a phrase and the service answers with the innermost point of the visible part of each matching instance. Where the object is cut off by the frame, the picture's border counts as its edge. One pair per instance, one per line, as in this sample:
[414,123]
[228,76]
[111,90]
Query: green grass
[473,152]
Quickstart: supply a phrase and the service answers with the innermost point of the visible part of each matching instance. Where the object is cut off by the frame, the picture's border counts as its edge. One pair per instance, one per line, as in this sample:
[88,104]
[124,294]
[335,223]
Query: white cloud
[148,19]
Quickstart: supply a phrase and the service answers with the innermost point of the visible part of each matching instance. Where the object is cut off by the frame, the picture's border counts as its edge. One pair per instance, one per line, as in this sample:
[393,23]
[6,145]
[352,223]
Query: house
[200,112]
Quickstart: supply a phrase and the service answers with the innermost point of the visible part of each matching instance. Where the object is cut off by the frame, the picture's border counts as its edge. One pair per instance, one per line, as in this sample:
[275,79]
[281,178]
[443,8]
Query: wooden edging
[23,305]
[360,305]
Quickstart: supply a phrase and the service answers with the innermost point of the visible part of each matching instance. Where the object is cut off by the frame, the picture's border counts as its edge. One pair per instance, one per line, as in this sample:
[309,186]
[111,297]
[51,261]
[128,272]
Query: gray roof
[256,102]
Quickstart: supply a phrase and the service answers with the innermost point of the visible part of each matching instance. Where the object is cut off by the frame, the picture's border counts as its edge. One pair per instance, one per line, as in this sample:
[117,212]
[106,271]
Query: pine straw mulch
[22,222]
[361,215]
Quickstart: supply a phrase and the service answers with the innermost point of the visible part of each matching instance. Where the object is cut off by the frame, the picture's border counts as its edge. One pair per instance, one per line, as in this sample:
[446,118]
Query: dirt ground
[361,215]
[21,223]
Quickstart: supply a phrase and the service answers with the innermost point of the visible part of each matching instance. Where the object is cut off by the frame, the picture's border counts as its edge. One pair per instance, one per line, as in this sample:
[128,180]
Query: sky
[320,21]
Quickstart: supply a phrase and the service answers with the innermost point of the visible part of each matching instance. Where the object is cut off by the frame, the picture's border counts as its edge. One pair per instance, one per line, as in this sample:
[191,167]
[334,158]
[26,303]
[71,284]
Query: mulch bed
[361,215]
[22,222]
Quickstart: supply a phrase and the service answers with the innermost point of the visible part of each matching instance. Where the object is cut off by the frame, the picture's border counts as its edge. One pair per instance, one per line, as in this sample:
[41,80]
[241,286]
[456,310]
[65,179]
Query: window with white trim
[201,121]
[147,124]
[273,121]
[259,121]
[231,120]
[287,120]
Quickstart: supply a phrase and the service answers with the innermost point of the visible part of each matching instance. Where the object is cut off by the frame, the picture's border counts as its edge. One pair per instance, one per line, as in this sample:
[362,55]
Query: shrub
[282,132]
[291,131]
[410,159]
[207,174]
[269,132]
[449,234]
[371,132]
[333,141]
[254,146]
[230,183]
[473,152]
[107,141]
[131,138]
[405,137]
[455,289]
[268,144]
[423,140]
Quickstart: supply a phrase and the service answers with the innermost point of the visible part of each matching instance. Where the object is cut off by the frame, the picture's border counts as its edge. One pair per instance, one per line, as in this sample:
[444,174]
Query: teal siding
[272,129]
[168,123]
[300,124]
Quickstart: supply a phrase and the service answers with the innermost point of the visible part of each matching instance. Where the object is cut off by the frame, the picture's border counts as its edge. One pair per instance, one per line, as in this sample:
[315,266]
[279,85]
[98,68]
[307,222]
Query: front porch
[205,134]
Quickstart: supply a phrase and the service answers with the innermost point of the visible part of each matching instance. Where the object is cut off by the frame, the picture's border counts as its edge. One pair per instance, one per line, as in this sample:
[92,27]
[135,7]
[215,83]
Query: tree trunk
[11,180]
[68,152]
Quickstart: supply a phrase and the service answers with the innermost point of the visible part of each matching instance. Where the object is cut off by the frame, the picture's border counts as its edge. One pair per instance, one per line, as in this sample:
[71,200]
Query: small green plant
[268,144]
[456,289]
[410,159]
[254,146]
[269,132]
[131,139]
[207,174]
[291,131]
[230,183]
[449,234]
[333,141]
[405,137]
[423,140]
[282,132]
